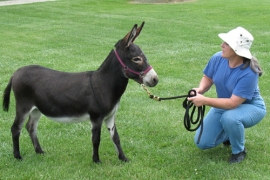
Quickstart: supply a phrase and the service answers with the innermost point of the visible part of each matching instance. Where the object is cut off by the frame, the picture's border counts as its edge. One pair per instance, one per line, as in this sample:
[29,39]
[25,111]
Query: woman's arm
[224,103]
[205,85]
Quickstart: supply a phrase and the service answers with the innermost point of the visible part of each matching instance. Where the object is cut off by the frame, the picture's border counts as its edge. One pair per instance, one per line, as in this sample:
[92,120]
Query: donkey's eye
[137,59]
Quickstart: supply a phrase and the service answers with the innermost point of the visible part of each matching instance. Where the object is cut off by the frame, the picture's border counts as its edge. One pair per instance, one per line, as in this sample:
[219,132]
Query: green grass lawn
[178,39]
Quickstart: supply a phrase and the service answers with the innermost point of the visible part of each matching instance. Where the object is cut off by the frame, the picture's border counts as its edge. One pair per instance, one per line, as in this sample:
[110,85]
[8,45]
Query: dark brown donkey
[75,97]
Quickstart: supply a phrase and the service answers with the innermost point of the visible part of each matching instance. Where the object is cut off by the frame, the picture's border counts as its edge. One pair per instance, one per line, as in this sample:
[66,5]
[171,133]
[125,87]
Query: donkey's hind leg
[31,127]
[16,131]
[110,123]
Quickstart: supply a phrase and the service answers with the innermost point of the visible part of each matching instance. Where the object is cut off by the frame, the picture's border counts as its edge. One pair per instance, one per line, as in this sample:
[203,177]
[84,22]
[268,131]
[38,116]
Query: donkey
[76,97]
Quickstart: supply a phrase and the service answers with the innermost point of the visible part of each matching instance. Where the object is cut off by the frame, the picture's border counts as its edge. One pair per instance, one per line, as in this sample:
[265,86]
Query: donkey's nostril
[155,80]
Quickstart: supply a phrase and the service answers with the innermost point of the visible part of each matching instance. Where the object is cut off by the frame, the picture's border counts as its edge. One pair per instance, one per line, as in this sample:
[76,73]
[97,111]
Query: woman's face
[227,51]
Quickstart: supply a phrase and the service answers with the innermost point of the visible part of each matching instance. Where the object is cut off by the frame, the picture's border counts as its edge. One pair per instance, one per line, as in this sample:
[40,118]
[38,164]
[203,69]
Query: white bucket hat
[240,40]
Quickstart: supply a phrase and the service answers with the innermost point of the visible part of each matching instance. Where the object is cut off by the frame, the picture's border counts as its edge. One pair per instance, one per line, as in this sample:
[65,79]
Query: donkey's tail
[6,96]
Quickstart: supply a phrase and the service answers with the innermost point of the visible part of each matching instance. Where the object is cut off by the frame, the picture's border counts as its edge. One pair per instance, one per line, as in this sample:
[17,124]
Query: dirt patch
[15,2]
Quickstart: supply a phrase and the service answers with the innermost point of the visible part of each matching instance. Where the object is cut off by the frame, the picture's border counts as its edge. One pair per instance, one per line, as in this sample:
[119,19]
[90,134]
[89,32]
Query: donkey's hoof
[18,157]
[97,161]
[125,160]
[40,152]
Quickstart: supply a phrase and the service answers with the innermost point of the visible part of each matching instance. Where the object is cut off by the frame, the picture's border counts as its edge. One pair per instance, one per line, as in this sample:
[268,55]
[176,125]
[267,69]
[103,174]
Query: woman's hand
[198,91]
[197,100]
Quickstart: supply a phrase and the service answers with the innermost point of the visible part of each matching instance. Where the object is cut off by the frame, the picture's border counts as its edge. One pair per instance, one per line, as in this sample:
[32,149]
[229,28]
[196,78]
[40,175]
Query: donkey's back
[54,93]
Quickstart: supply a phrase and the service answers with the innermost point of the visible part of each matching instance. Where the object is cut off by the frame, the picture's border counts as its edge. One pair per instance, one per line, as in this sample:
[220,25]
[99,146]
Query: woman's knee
[202,144]
[228,120]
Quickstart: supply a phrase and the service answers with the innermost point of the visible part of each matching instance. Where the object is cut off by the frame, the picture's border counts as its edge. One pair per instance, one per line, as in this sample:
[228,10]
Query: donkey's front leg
[96,131]
[115,137]
[116,140]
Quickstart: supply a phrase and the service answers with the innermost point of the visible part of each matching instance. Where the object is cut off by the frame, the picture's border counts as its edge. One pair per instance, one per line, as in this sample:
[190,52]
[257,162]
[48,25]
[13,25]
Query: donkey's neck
[110,77]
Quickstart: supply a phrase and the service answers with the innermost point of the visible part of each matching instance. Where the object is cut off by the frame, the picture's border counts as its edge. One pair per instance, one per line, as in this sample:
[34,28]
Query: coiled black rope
[189,120]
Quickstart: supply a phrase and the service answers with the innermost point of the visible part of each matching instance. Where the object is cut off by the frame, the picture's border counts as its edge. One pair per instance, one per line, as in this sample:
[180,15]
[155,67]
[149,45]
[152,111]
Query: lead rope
[188,118]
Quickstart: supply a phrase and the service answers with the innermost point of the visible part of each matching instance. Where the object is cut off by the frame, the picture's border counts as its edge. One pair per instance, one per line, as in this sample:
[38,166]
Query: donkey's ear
[138,31]
[128,39]
[133,34]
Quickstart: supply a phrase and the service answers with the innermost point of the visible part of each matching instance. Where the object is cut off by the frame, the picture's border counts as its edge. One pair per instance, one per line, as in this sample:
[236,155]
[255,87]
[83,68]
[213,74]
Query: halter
[140,74]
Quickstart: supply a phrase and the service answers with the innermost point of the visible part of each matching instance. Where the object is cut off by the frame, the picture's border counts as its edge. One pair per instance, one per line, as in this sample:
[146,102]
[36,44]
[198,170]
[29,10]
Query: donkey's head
[133,60]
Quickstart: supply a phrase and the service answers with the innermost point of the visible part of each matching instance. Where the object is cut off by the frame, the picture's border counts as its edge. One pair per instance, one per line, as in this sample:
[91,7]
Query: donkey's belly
[62,119]
[76,119]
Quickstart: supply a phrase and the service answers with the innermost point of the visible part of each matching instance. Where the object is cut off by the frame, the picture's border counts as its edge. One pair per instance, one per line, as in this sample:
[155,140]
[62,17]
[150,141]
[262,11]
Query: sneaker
[237,158]
[227,143]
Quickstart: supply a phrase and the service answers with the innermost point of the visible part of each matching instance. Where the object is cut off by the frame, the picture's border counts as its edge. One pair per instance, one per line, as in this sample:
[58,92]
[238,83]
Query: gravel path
[15,2]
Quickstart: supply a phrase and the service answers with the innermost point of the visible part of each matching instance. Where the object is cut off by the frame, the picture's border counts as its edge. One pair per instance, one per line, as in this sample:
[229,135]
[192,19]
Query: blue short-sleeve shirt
[238,81]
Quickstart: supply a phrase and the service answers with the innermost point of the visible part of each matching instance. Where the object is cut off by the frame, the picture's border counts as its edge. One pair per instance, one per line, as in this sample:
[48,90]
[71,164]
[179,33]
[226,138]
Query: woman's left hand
[197,100]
